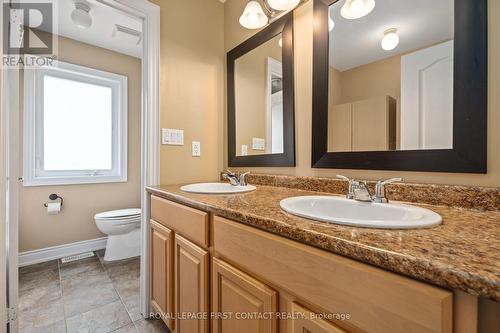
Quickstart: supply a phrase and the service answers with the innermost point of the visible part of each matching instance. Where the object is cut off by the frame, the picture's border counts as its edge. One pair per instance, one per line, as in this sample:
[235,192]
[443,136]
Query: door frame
[150,149]
[150,119]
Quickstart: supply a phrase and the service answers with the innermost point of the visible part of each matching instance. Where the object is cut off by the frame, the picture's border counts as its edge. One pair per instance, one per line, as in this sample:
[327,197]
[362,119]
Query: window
[75,126]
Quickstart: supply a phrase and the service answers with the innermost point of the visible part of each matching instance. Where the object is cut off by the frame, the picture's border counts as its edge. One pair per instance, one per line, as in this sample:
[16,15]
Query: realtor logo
[28,32]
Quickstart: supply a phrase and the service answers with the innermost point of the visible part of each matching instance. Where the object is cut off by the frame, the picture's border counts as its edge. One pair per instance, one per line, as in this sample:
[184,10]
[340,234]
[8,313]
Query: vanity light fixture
[253,16]
[355,9]
[280,42]
[390,40]
[81,16]
[258,13]
[283,4]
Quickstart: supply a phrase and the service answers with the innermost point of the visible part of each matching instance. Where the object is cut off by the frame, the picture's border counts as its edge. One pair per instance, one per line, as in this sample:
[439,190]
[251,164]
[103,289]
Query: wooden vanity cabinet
[179,265]
[243,270]
[376,300]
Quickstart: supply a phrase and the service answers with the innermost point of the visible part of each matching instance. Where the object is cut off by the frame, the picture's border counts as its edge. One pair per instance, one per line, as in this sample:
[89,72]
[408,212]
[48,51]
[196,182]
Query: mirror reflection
[390,75]
[258,82]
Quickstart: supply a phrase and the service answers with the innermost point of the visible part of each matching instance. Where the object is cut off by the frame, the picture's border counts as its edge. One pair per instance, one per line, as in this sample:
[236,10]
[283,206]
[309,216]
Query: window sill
[73,181]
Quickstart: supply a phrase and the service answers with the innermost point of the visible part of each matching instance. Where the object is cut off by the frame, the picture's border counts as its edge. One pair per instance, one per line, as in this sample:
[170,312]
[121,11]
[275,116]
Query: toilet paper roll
[53,208]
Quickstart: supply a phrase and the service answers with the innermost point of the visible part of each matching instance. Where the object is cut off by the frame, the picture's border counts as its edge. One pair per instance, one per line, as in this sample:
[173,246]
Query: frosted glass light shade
[331,24]
[80,15]
[390,40]
[355,9]
[253,16]
[283,4]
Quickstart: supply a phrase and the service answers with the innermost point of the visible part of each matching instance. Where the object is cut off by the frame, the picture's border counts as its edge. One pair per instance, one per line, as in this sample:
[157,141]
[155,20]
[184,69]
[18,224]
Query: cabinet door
[370,121]
[236,293]
[340,128]
[161,278]
[191,287]
[304,322]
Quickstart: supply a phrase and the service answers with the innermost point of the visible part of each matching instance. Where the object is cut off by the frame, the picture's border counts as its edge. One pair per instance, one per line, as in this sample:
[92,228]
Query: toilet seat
[119,214]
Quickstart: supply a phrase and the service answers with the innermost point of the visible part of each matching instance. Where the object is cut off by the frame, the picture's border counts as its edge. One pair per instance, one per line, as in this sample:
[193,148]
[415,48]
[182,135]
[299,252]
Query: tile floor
[85,296]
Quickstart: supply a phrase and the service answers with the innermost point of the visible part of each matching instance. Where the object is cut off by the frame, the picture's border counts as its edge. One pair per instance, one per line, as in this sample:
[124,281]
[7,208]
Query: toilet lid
[121,213]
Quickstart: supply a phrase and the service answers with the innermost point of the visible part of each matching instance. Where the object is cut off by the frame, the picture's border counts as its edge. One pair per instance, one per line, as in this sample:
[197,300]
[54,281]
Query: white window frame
[34,175]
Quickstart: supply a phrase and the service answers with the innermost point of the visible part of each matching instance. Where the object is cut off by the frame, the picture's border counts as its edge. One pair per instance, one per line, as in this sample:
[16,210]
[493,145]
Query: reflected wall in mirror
[261,98]
[391,76]
[400,85]
[258,78]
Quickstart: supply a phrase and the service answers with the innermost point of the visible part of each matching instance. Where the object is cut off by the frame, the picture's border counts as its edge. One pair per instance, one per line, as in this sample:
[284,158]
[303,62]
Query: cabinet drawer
[188,222]
[376,300]
[304,321]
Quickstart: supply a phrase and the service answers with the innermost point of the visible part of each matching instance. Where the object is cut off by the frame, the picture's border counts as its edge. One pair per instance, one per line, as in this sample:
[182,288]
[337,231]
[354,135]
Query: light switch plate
[196,148]
[258,144]
[173,137]
[244,150]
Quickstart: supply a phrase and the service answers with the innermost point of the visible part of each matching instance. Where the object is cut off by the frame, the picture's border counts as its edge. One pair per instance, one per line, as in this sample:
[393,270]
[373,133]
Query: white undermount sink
[217,188]
[344,211]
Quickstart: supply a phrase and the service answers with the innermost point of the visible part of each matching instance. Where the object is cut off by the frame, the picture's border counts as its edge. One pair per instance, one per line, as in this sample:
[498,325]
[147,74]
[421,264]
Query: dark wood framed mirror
[428,112]
[260,98]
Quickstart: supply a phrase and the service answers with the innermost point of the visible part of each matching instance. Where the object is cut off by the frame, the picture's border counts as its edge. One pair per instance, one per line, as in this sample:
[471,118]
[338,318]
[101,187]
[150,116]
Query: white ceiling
[100,33]
[419,22]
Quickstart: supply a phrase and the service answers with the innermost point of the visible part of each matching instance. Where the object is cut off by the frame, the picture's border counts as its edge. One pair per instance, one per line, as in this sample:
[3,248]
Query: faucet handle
[243,181]
[351,182]
[347,179]
[390,181]
[380,189]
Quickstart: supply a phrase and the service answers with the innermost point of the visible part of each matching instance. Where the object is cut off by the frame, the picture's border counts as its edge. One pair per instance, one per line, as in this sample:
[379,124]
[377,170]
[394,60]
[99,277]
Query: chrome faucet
[358,190]
[234,179]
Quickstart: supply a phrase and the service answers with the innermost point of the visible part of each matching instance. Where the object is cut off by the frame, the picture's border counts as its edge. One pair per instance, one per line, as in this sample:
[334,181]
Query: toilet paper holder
[53,197]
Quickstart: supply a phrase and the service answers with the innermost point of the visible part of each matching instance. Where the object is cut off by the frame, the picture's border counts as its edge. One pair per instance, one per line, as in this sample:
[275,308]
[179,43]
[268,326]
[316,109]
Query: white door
[427,98]
[277,123]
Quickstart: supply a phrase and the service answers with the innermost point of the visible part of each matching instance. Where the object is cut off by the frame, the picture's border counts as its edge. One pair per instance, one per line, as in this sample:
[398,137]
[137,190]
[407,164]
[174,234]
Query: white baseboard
[60,251]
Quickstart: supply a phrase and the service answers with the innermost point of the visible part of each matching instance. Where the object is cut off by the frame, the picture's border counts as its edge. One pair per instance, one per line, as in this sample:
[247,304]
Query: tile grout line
[119,296]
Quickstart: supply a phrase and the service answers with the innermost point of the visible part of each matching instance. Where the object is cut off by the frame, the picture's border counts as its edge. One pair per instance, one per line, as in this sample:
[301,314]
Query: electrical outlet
[244,150]
[196,148]
[173,137]
[258,144]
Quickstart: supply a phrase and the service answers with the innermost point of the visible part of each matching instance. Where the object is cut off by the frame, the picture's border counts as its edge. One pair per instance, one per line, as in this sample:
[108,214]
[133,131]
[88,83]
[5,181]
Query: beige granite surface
[473,197]
[463,253]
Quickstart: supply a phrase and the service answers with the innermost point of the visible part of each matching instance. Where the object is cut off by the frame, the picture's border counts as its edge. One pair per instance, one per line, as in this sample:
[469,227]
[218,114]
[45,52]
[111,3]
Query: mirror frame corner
[469,153]
[283,25]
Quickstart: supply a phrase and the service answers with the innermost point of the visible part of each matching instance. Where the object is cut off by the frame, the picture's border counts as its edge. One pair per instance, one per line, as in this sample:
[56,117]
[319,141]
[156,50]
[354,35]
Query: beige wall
[303,96]
[81,202]
[251,94]
[192,87]
[372,80]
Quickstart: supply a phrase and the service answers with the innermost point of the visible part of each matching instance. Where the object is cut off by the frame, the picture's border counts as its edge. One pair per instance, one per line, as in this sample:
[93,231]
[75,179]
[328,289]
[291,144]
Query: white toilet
[123,228]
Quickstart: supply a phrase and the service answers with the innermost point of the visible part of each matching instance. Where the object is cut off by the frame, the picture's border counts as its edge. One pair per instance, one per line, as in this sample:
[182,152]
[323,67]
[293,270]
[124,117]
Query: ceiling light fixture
[355,9]
[283,4]
[80,15]
[390,40]
[258,13]
[253,16]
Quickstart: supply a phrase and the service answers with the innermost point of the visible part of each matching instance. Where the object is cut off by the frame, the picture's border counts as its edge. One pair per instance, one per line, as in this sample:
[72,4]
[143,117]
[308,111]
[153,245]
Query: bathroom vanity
[223,258]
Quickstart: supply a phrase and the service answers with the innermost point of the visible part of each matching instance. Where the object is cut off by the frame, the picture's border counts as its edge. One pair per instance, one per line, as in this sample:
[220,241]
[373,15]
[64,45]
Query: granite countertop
[463,253]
